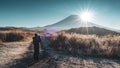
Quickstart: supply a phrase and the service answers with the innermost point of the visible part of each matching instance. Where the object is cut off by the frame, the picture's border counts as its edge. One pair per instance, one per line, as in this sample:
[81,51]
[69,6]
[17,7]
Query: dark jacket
[36,40]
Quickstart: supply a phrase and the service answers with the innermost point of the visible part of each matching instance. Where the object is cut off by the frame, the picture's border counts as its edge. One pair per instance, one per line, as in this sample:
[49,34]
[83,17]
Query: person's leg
[36,52]
[34,56]
[37,56]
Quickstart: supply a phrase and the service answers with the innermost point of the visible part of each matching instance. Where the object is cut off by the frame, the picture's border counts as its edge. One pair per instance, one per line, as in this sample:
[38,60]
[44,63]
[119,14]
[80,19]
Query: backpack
[36,39]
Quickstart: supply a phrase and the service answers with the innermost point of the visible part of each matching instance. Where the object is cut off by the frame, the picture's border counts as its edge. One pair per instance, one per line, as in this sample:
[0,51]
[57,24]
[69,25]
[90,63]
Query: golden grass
[0,42]
[11,36]
[92,45]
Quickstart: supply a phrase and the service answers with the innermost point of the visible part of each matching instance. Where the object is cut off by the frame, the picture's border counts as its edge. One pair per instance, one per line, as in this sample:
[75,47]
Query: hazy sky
[31,13]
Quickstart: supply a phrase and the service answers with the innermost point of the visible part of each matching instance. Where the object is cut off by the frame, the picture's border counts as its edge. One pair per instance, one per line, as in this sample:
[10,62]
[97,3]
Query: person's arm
[39,39]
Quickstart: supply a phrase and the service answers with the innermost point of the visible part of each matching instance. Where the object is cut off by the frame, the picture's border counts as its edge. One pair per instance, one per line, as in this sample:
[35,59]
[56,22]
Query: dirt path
[10,53]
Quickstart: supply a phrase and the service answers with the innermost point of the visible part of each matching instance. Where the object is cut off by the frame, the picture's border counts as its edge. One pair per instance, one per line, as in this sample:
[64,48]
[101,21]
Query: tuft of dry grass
[11,36]
[0,42]
[91,45]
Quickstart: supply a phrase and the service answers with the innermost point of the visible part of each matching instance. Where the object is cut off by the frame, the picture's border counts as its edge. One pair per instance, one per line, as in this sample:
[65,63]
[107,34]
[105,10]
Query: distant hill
[12,28]
[16,29]
[92,30]
[8,28]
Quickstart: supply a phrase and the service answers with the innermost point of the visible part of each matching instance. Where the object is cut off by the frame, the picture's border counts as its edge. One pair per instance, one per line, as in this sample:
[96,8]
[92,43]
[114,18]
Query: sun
[86,16]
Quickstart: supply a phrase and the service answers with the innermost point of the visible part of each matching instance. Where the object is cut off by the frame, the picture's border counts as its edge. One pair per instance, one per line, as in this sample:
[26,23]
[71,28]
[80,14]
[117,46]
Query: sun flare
[86,16]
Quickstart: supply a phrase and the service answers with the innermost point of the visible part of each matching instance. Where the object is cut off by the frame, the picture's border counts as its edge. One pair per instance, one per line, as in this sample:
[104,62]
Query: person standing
[36,43]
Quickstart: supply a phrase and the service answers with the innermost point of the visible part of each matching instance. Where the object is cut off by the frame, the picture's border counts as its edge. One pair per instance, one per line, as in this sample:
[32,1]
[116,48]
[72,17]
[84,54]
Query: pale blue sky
[32,13]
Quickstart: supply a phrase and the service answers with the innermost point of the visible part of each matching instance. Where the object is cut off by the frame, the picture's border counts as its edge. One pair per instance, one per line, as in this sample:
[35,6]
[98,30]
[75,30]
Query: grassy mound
[90,45]
[12,36]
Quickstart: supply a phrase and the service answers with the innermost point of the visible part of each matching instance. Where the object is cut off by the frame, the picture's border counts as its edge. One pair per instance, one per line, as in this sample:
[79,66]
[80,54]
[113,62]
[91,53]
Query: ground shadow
[28,60]
[96,59]
[25,61]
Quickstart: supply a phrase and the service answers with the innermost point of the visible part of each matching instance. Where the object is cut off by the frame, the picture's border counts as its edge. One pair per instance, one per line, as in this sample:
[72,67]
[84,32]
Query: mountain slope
[92,30]
[72,21]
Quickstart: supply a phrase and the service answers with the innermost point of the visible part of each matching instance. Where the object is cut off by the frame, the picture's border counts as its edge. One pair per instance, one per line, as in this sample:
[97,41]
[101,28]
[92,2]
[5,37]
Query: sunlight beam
[86,16]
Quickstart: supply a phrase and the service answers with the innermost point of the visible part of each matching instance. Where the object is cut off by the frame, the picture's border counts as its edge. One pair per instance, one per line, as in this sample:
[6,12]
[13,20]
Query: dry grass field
[90,45]
[15,35]
[69,51]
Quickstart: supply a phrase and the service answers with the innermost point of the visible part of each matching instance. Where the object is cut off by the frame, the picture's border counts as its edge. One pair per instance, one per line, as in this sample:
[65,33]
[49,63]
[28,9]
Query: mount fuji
[72,21]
